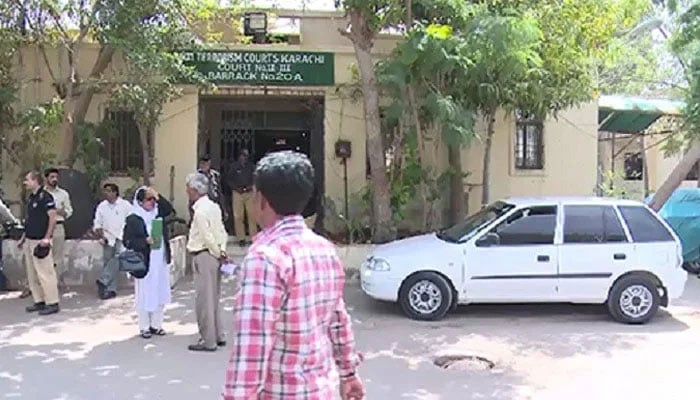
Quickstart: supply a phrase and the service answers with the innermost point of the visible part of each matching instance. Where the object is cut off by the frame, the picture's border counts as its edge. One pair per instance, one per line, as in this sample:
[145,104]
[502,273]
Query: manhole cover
[464,363]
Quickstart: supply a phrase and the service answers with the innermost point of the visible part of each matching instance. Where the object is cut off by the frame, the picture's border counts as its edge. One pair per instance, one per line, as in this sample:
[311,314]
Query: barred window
[123,146]
[529,143]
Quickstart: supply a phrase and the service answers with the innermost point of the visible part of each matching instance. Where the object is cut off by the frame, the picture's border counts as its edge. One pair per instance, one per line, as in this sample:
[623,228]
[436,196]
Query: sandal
[146,334]
[157,332]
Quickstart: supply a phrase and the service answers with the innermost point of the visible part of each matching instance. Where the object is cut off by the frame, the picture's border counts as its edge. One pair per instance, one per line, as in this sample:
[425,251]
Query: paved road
[90,352]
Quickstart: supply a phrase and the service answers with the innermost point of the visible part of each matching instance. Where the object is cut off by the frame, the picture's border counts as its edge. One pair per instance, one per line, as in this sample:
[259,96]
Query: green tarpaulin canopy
[633,114]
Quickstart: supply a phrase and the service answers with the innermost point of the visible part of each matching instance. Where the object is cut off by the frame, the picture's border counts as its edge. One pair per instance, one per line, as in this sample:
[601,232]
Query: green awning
[633,114]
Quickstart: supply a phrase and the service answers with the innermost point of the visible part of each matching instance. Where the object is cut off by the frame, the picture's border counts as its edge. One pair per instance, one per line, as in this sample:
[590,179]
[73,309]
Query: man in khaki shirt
[207,244]
[64,210]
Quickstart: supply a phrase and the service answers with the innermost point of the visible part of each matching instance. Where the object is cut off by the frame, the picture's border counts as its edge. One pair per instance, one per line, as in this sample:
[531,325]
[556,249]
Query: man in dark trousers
[36,241]
[240,180]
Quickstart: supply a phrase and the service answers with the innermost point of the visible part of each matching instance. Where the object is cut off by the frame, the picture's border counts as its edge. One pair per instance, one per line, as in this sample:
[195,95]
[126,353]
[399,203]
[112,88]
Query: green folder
[157,233]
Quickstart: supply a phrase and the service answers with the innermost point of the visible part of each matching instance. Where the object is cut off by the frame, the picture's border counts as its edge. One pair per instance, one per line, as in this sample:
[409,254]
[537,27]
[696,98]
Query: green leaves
[686,44]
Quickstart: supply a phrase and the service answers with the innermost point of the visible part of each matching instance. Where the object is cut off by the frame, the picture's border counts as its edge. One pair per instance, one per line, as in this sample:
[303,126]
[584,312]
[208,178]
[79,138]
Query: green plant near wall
[91,151]
[32,147]
[609,188]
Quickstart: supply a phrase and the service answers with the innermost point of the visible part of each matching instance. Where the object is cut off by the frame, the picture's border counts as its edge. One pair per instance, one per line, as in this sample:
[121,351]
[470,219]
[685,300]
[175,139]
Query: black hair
[112,187]
[286,180]
[50,171]
[204,159]
[141,195]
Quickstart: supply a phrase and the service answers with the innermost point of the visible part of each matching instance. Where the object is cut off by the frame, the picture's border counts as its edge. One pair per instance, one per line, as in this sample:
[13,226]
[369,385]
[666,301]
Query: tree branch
[42,48]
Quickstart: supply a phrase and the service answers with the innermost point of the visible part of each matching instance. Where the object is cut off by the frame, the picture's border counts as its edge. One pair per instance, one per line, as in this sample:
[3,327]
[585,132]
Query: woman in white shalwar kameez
[152,292]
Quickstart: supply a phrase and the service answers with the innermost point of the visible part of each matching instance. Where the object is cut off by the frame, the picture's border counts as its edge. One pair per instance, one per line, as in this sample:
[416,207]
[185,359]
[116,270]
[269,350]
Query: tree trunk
[457,208]
[77,105]
[420,144]
[144,132]
[381,199]
[676,177]
[486,177]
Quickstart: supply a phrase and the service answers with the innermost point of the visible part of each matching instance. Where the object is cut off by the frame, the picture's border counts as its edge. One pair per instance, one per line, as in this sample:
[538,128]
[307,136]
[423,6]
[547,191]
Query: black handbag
[132,262]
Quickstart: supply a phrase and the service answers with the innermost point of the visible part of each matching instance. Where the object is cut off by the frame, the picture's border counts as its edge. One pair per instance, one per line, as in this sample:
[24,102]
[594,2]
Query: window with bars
[123,146]
[529,141]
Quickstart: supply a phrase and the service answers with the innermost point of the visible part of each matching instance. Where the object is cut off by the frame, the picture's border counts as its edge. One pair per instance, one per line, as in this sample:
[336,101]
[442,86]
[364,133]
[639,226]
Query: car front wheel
[425,296]
[634,299]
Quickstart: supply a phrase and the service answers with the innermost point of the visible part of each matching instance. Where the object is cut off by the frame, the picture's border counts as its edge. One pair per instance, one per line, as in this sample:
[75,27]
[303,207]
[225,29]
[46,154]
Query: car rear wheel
[425,296]
[634,299]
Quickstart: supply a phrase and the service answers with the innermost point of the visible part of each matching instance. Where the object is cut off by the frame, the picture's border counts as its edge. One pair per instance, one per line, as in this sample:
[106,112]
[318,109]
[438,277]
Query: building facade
[285,96]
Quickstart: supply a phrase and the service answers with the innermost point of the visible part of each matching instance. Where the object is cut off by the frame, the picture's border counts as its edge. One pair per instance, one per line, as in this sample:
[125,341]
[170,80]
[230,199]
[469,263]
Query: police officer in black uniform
[38,231]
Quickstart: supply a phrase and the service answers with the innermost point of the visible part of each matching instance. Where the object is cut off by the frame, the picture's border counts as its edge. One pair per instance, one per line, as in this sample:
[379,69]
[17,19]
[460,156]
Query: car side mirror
[489,239]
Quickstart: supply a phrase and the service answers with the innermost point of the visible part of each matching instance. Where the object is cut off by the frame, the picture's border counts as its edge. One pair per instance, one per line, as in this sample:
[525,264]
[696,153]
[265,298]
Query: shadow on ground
[90,350]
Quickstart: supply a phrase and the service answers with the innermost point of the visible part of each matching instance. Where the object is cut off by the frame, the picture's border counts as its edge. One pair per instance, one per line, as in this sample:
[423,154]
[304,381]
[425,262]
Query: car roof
[579,200]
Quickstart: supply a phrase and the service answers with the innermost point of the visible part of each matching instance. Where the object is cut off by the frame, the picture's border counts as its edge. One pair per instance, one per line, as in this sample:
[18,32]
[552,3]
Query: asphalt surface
[91,352]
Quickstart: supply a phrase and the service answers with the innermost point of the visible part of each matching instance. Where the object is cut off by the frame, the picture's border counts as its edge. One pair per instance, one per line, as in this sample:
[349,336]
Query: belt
[198,252]
[60,222]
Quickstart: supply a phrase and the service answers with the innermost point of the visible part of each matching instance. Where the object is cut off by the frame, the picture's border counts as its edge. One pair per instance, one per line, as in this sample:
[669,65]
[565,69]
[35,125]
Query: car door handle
[620,256]
[542,258]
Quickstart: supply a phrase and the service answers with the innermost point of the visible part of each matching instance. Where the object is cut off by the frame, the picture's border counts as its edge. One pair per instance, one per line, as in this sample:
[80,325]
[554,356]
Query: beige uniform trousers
[58,243]
[207,286]
[242,205]
[41,274]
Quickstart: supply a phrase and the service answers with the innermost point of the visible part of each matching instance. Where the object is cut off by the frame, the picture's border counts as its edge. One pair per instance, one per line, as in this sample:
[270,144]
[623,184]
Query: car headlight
[377,264]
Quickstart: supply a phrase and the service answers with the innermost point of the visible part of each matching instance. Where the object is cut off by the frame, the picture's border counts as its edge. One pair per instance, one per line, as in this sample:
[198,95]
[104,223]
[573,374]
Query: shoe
[36,307]
[50,309]
[157,332]
[108,295]
[242,243]
[101,288]
[25,293]
[146,334]
[221,343]
[200,347]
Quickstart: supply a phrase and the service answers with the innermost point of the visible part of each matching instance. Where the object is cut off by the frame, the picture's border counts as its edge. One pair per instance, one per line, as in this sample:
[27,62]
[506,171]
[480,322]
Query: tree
[115,25]
[422,78]
[151,79]
[505,61]
[686,45]
[366,19]
[546,58]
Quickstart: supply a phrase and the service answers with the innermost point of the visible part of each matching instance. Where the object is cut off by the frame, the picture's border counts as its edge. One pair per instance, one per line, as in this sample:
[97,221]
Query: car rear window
[592,224]
[644,226]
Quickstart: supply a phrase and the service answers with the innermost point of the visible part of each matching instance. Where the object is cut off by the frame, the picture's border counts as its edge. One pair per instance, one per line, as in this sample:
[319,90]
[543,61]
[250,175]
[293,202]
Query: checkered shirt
[290,321]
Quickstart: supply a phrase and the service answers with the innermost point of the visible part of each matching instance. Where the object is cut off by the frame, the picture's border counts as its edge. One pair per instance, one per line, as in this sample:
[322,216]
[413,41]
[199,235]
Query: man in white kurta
[110,217]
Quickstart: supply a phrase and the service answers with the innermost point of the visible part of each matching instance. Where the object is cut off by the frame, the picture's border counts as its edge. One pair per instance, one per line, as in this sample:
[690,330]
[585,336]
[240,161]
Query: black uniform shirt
[241,176]
[38,214]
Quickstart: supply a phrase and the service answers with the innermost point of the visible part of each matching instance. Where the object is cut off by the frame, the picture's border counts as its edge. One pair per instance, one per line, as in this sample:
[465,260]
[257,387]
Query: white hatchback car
[535,250]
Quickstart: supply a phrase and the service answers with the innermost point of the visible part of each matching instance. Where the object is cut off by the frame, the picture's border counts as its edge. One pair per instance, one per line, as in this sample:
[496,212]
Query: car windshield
[474,223]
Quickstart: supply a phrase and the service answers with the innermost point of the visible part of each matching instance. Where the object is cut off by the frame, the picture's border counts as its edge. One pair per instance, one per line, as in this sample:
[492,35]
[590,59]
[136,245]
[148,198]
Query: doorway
[263,124]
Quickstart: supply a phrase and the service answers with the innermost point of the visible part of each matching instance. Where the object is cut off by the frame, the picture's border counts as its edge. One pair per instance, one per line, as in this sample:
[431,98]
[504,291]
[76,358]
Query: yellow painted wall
[569,158]
[661,166]
[570,142]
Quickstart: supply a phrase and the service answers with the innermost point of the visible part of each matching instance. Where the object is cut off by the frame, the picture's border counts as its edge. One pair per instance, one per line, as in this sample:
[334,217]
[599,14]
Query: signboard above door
[280,68]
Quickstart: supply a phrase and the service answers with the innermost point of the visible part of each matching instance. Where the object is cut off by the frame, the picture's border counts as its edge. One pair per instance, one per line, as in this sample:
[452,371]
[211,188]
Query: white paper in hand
[229,268]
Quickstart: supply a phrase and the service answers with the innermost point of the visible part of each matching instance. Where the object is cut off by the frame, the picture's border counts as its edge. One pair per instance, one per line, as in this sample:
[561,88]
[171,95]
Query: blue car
[682,212]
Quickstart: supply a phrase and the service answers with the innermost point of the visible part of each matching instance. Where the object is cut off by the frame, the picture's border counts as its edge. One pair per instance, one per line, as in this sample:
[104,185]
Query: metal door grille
[237,133]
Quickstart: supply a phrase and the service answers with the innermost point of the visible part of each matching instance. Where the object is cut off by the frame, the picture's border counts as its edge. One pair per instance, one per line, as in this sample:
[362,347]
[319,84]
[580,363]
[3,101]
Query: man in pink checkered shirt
[291,327]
